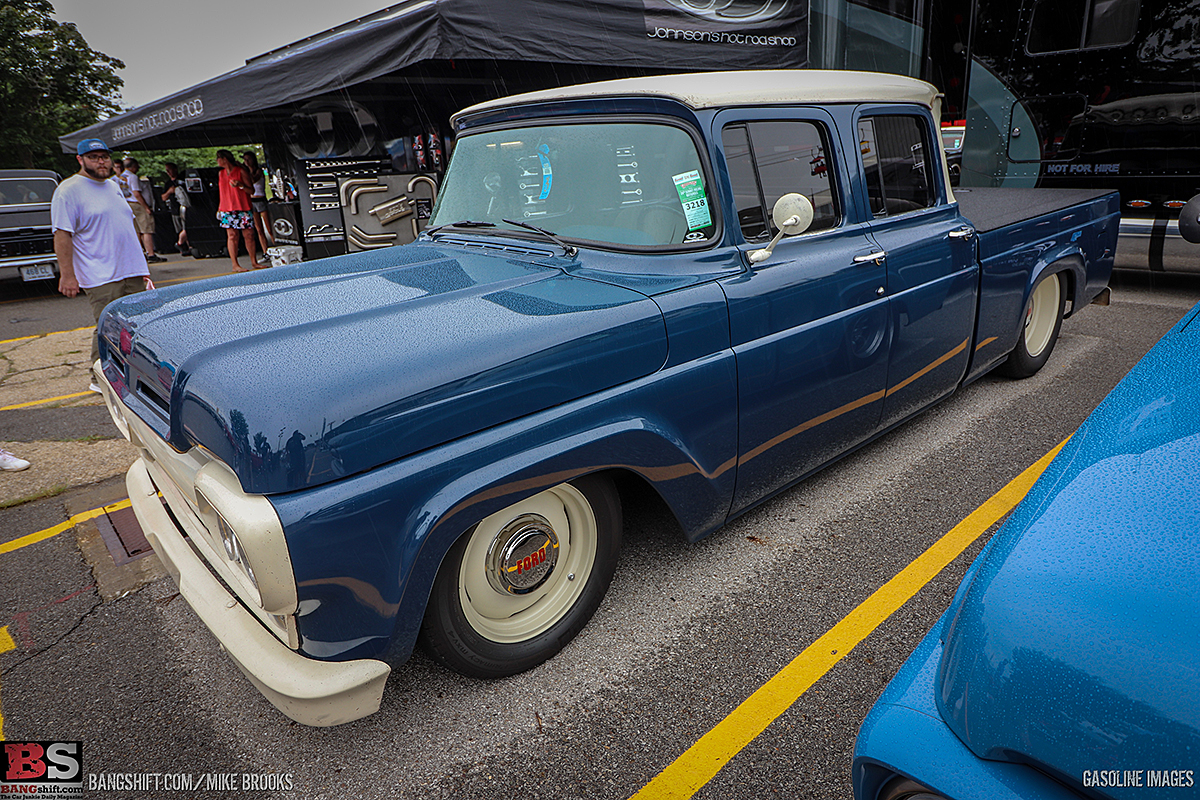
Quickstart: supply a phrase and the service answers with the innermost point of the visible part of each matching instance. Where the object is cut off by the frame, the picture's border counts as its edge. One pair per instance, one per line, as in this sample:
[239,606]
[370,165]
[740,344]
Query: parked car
[26,238]
[1068,664]
[712,284]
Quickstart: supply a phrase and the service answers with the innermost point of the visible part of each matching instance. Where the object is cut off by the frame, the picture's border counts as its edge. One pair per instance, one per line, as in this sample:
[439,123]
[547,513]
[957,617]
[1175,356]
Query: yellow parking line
[41,536]
[702,761]
[40,335]
[43,402]
[6,641]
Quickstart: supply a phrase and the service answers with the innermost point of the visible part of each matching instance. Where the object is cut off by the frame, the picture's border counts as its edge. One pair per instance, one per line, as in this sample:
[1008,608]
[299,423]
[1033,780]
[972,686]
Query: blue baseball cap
[91,146]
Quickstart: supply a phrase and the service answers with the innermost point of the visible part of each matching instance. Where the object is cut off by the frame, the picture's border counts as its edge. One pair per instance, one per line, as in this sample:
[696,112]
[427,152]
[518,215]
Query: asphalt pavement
[686,633]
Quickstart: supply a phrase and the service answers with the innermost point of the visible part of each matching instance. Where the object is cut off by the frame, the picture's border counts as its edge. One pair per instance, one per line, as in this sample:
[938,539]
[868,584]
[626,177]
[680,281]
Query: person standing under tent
[258,202]
[175,196]
[233,211]
[143,215]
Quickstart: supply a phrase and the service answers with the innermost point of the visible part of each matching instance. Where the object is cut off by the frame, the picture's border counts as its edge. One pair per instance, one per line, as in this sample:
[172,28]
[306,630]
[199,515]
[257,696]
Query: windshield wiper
[567,249]
[462,223]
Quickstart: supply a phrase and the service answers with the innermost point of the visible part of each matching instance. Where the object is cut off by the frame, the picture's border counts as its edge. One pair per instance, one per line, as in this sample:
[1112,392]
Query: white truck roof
[742,88]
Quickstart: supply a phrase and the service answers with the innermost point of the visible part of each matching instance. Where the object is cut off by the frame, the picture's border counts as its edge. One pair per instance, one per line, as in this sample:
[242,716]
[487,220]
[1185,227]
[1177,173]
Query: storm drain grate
[123,536]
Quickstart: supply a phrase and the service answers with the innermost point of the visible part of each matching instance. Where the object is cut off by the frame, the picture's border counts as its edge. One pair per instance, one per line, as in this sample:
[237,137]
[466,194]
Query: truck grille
[17,246]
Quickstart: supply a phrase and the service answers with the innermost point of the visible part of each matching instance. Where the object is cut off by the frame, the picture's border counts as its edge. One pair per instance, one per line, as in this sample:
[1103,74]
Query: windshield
[621,183]
[25,191]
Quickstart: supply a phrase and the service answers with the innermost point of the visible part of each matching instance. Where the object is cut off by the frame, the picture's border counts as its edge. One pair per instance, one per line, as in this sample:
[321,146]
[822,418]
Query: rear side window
[896,162]
[1063,25]
[769,159]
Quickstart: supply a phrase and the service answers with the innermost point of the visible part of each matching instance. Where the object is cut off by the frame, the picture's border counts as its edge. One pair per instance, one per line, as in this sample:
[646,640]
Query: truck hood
[297,376]
[1073,646]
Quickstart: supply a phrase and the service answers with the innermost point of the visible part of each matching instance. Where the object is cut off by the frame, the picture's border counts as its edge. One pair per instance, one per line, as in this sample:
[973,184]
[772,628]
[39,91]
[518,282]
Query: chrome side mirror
[792,214]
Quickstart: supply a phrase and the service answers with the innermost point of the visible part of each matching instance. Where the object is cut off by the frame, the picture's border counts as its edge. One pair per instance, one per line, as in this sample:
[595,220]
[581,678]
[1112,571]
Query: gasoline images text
[186,782]
[1138,778]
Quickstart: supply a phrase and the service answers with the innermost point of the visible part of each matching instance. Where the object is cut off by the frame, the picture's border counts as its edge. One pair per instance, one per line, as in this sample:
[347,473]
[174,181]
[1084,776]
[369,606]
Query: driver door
[809,324]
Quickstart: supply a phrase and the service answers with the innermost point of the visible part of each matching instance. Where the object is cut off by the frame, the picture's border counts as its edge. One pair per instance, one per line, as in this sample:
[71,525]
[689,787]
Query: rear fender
[1068,260]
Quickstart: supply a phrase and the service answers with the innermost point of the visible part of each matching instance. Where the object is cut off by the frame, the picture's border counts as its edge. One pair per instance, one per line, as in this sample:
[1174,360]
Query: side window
[769,159]
[1063,25]
[894,157]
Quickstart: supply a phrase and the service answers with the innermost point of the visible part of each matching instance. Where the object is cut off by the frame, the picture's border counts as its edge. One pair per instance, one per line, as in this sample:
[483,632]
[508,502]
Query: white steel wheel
[523,566]
[525,580]
[1040,325]
[1042,316]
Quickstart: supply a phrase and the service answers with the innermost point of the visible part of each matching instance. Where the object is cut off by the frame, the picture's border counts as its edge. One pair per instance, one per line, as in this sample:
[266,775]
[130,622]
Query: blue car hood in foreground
[1074,647]
[298,376]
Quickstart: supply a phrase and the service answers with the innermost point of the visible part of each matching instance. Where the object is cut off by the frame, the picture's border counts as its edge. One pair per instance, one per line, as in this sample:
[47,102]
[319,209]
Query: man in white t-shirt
[94,237]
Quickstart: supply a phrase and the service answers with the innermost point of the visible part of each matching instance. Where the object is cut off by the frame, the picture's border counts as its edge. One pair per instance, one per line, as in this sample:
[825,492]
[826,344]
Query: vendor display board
[320,205]
[385,210]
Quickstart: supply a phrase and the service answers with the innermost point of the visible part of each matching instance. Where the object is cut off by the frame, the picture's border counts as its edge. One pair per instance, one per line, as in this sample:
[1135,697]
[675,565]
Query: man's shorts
[142,218]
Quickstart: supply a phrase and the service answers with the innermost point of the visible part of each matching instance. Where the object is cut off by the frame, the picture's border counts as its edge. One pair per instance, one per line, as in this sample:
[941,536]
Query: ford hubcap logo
[523,555]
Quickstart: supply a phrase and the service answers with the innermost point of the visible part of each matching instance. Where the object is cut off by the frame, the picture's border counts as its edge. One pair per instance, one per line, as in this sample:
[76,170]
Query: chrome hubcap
[523,555]
[503,601]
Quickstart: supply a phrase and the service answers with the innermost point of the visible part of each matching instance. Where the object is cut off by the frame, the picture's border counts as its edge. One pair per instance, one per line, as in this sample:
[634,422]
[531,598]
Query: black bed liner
[992,208]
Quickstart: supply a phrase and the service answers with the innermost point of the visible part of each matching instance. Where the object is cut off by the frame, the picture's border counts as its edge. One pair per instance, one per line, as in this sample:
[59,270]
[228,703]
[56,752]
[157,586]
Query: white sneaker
[10,462]
[95,387]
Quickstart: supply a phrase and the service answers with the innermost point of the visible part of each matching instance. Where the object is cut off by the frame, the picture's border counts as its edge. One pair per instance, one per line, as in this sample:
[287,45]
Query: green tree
[153,161]
[51,83]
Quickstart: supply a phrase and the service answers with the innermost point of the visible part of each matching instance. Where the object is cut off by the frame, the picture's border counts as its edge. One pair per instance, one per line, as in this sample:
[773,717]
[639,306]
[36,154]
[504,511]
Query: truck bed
[989,209]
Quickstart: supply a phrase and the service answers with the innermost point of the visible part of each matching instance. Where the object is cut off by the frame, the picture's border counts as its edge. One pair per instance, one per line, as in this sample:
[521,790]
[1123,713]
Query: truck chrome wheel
[525,580]
[1041,323]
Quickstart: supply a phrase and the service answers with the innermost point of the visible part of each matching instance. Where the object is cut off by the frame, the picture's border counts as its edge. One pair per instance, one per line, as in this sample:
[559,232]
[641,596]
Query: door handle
[877,257]
[962,233]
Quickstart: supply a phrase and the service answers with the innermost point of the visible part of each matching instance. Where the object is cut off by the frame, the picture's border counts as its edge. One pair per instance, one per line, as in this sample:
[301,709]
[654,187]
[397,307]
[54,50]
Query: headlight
[240,529]
[233,548]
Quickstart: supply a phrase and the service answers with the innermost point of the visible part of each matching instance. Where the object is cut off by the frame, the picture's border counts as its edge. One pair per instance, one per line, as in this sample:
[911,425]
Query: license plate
[38,272]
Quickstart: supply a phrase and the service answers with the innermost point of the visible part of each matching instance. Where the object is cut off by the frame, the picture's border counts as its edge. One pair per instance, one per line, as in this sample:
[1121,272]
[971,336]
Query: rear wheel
[1042,321]
[513,591]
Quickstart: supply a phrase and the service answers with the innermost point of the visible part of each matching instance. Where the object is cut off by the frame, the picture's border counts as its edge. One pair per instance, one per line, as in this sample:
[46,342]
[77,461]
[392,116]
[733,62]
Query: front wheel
[1042,321]
[521,584]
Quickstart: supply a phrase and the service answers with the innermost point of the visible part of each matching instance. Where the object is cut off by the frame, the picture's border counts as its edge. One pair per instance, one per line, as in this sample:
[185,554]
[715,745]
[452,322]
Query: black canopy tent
[365,91]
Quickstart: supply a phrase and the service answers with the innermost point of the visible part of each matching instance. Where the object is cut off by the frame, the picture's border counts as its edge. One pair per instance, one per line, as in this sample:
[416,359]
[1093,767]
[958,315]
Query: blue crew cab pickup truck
[713,284]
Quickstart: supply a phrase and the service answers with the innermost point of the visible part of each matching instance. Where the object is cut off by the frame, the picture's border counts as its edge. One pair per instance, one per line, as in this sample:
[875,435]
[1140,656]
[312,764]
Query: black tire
[901,788]
[1040,325]
[496,608]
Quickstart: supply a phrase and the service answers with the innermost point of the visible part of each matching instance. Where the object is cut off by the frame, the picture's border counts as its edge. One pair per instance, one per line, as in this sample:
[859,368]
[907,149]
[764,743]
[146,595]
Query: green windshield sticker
[695,203]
